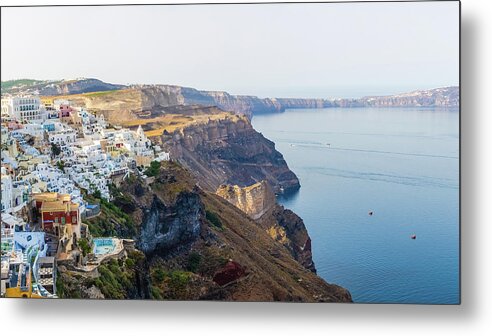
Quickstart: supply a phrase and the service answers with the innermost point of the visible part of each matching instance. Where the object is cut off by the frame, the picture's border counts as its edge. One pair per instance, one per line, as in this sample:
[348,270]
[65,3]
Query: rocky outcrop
[166,227]
[254,200]
[287,228]
[230,151]
[283,225]
[232,271]
[68,87]
[247,105]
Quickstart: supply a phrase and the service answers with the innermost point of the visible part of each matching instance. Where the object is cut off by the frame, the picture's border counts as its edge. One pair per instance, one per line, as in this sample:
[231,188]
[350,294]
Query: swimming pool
[103,245]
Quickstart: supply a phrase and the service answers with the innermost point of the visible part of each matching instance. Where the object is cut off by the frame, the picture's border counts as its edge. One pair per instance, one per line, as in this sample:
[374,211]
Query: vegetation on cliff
[114,279]
[197,246]
[113,219]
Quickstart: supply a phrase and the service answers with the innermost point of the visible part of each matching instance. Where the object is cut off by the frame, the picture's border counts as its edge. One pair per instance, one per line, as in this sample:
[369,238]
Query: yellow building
[21,283]
[143,160]
[48,103]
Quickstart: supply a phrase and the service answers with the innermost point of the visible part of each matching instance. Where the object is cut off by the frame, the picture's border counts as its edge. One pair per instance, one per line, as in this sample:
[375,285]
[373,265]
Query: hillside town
[53,156]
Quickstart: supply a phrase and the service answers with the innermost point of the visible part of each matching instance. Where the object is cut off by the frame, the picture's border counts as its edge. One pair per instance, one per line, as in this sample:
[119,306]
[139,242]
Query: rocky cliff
[440,97]
[284,226]
[241,104]
[166,227]
[230,151]
[255,200]
[250,105]
[229,257]
[197,246]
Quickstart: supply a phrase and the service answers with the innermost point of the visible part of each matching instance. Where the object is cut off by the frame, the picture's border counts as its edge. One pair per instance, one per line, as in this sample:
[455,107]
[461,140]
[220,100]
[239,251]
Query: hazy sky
[283,50]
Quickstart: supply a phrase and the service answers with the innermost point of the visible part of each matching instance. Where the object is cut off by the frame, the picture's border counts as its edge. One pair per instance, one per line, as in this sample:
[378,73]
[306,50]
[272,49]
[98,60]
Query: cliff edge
[284,226]
[229,151]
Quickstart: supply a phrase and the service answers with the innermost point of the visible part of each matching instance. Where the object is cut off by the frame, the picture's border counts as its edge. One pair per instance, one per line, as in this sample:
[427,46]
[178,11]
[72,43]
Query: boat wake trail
[418,181]
[327,147]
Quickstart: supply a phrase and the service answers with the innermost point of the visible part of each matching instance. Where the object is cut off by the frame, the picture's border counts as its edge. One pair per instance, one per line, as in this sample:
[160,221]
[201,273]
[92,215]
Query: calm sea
[400,163]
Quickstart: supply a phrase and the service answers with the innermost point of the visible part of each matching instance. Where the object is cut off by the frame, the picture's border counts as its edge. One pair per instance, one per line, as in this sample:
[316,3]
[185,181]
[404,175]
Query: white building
[6,190]
[24,109]
[162,156]
[4,134]
[61,135]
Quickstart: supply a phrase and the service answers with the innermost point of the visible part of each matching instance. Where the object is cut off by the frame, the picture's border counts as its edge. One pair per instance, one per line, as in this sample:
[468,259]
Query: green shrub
[97,194]
[84,246]
[154,168]
[129,262]
[61,165]
[155,293]
[60,287]
[159,275]
[213,219]
[179,280]
[194,260]
[112,221]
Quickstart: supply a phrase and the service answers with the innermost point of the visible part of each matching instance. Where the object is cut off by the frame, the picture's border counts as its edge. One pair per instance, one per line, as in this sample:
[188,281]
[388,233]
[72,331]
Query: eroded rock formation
[255,200]
[230,152]
[282,225]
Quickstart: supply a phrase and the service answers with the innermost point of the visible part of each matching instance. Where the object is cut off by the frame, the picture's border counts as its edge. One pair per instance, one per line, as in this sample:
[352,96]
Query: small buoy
[370,213]
[413,236]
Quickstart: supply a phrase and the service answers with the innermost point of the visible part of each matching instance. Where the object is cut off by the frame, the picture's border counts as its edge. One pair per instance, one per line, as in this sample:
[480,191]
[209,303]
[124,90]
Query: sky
[280,50]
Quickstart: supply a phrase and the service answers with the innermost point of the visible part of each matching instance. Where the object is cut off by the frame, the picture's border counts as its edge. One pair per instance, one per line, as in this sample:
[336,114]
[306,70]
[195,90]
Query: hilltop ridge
[152,95]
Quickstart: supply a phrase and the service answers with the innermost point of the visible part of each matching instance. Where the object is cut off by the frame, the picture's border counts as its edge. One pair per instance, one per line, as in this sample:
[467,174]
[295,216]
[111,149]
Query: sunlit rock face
[254,200]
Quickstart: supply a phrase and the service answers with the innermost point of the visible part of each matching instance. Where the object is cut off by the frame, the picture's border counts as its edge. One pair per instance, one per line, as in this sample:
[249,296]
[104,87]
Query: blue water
[103,246]
[401,163]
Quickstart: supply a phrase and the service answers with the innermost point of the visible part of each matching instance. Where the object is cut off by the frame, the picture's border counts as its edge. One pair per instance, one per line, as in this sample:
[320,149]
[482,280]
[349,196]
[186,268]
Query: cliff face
[284,226]
[198,246]
[292,103]
[250,105]
[166,227]
[160,96]
[440,97]
[231,152]
[247,105]
[254,200]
